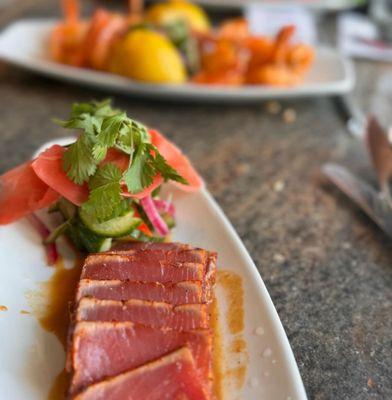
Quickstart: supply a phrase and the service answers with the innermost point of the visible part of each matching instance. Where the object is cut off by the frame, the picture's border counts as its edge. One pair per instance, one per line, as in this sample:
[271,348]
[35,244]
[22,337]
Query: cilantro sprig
[102,128]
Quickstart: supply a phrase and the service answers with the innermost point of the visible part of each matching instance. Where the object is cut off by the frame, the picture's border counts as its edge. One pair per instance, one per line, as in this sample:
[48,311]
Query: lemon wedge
[148,56]
[174,10]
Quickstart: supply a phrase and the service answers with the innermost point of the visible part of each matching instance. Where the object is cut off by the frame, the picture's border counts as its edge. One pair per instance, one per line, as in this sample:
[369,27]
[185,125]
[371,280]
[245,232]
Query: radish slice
[165,206]
[52,254]
[176,159]
[22,192]
[49,168]
[153,215]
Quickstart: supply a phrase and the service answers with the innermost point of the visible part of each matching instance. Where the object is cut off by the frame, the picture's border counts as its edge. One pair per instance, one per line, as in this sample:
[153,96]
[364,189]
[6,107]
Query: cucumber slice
[115,227]
[86,240]
[103,245]
[141,237]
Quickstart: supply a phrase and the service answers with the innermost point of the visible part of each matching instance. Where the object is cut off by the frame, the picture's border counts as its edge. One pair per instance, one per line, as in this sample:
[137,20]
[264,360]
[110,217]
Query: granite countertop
[328,268]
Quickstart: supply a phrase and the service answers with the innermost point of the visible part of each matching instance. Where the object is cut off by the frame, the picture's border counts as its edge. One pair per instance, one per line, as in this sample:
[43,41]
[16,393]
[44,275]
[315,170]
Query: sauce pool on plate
[51,307]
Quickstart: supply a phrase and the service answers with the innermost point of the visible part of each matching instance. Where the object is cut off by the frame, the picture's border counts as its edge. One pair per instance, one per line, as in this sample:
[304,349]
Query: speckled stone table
[327,267]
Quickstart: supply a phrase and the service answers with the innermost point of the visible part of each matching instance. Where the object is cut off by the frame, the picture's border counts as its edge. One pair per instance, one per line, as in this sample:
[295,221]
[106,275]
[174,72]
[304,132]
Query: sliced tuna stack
[140,325]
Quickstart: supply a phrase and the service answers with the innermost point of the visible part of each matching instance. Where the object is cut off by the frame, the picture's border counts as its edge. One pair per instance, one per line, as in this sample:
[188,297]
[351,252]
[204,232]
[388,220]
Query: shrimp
[71,10]
[300,57]
[223,61]
[82,44]
[103,30]
[67,37]
[136,8]
[261,51]
[274,74]
[282,43]
[235,29]
[220,54]
[279,63]
[65,44]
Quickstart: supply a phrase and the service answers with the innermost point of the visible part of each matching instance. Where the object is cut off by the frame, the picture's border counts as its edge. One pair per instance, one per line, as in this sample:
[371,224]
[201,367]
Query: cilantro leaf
[141,172]
[78,161]
[132,134]
[107,137]
[148,162]
[87,122]
[167,172]
[94,108]
[108,173]
[105,200]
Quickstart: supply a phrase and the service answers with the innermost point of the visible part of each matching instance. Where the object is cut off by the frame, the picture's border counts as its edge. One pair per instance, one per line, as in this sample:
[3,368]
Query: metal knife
[373,203]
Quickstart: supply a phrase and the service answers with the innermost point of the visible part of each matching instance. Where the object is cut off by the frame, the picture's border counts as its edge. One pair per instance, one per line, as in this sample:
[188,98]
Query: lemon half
[146,55]
[174,10]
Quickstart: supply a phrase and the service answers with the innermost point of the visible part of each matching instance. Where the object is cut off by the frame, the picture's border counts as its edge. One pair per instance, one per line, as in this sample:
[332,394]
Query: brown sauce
[3,308]
[50,305]
[232,285]
[217,362]
[227,372]
[60,386]
[238,345]
[238,373]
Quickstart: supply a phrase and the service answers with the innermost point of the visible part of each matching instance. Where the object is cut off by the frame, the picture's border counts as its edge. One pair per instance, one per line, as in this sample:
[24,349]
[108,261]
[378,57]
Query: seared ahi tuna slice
[209,278]
[153,246]
[188,292]
[171,377]
[148,268]
[121,267]
[170,252]
[104,349]
[151,313]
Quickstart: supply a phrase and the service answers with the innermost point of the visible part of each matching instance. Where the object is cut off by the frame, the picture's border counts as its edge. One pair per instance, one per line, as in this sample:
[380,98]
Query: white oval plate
[318,5]
[25,43]
[31,358]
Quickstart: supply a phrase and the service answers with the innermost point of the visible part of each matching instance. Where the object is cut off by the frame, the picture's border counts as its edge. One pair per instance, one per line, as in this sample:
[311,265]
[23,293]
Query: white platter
[317,5]
[25,44]
[31,358]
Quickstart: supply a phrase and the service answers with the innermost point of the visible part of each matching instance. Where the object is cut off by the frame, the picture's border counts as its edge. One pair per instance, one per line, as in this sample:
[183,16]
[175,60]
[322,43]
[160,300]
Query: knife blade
[373,203]
[380,150]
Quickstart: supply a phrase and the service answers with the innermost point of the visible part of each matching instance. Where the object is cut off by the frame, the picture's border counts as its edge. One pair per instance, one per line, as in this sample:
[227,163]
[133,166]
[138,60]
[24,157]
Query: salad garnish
[106,186]
[107,212]
[105,128]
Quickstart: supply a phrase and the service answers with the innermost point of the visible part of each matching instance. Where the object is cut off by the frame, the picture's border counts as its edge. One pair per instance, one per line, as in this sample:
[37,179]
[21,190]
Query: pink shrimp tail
[71,10]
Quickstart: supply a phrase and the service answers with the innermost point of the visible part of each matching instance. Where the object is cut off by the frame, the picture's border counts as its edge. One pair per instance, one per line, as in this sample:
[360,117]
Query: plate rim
[320,6]
[185,92]
[262,289]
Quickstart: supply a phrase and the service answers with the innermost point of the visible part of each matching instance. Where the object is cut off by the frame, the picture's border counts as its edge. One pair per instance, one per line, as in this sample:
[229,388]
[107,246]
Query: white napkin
[358,37]
[269,19]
